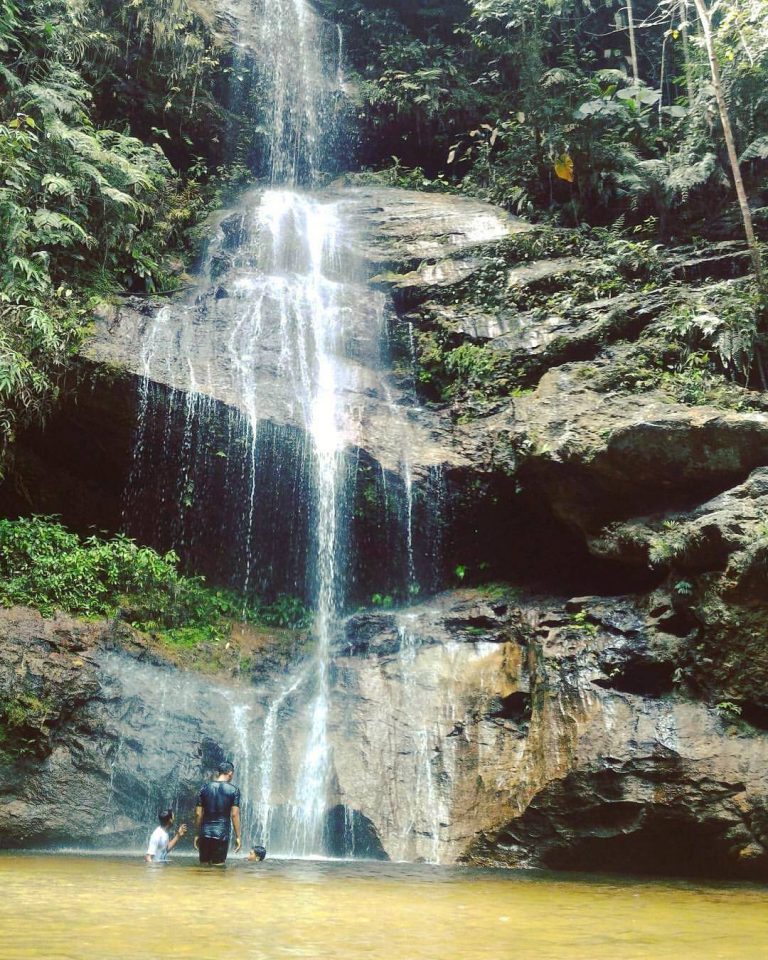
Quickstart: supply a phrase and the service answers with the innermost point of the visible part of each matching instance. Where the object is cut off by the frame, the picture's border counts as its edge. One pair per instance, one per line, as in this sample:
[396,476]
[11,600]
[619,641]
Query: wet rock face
[396,229]
[478,728]
[204,342]
[486,731]
[602,457]
[101,759]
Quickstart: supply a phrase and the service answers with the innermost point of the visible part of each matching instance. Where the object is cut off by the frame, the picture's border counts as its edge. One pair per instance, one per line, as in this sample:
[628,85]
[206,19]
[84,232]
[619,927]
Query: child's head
[257,853]
[165,817]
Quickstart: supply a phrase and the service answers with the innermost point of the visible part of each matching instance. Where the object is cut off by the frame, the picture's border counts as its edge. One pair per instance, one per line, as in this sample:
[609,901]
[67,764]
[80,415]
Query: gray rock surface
[192,343]
[473,727]
[602,456]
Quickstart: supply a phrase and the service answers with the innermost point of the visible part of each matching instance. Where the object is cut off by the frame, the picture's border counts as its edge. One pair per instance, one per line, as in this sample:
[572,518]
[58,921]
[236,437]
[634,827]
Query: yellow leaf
[564,167]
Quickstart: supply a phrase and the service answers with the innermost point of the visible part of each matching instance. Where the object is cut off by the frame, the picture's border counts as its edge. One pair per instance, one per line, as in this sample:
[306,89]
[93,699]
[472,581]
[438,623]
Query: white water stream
[299,325]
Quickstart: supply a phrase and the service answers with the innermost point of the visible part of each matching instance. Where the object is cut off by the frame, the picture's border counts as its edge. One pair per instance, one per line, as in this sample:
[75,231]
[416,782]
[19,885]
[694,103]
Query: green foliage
[385,601]
[668,544]
[580,621]
[720,327]
[703,350]
[395,174]
[531,103]
[43,565]
[23,717]
[729,711]
[86,207]
[468,371]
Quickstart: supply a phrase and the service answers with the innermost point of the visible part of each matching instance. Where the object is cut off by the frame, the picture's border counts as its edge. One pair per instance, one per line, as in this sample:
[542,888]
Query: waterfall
[285,329]
[298,72]
[314,325]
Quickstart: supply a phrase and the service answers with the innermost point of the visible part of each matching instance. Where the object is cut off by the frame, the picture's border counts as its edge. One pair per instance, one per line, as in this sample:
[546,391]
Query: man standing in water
[217,803]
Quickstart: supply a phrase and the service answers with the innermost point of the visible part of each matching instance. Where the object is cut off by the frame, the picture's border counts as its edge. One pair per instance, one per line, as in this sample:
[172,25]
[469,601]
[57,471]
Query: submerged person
[257,853]
[218,804]
[160,843]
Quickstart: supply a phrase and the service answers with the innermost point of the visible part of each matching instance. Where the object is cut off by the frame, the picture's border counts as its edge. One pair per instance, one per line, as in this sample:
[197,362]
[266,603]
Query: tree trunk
[706,26]
[632,45]
[686,52]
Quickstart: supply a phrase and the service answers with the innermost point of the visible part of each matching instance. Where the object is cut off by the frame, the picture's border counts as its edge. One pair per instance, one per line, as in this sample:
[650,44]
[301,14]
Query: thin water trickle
[267,762]
[426,801]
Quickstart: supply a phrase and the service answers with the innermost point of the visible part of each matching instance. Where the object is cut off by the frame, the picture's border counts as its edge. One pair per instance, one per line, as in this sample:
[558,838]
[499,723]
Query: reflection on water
[84,908]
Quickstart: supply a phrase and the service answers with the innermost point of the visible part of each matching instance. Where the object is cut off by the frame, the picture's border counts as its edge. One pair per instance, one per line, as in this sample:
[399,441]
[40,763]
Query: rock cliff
[622,728]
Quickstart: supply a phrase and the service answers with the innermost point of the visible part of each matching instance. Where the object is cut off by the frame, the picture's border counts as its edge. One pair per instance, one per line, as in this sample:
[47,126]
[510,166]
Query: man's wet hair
[259,852]
[165,817]
[225,767]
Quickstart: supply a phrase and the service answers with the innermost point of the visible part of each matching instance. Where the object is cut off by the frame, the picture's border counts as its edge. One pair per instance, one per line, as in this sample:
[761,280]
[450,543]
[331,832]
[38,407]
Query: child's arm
[179,834]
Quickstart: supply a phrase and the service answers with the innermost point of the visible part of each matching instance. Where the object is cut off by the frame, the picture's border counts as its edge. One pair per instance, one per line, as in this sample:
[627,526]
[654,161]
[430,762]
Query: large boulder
[604,456]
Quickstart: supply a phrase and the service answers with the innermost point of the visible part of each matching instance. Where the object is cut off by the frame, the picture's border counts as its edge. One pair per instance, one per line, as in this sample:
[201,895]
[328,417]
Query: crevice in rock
[500,531]
[516,706]
[661,843]
[349,833]
[677,623]
[755,714]
[642,678]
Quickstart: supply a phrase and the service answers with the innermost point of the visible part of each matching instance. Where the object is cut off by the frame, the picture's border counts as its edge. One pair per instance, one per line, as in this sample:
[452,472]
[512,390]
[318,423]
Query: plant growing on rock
[729,711]
[23,729]
[45,566]
[668,544]
[580,621]
[722,323]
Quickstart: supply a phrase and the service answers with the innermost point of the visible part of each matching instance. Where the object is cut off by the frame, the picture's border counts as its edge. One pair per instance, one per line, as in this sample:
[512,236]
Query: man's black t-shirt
[217,799]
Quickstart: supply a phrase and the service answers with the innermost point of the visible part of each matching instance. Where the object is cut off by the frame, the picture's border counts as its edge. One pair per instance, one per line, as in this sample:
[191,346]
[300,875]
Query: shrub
[43,565]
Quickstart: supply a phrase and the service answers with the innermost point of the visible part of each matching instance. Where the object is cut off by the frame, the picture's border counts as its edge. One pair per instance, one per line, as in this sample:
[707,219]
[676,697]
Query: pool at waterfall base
[79,907]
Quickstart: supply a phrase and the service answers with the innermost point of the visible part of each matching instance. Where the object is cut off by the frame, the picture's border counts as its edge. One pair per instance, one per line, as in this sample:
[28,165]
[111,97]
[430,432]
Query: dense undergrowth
[112,148]
[45,566]
[541,106]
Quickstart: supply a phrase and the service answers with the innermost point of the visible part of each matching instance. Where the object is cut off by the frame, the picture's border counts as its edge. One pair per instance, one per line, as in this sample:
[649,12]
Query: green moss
[23,729]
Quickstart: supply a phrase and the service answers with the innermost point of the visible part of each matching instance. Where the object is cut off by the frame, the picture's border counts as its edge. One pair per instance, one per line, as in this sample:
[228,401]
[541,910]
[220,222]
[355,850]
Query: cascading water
[266,498]
[312,314]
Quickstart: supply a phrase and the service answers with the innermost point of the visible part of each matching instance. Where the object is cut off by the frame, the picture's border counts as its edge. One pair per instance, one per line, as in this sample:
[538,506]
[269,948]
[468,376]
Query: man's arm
[198,822]
[236,825]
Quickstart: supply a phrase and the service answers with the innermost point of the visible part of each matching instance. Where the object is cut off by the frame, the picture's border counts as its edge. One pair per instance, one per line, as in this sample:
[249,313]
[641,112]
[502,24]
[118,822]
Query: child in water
[257,854]
[160,842]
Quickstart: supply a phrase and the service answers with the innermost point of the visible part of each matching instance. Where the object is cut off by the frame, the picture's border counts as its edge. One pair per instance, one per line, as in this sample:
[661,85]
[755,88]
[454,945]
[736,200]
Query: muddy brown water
[69,907]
